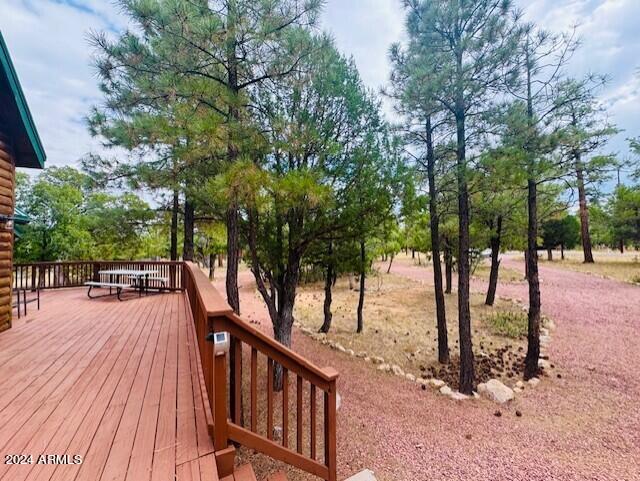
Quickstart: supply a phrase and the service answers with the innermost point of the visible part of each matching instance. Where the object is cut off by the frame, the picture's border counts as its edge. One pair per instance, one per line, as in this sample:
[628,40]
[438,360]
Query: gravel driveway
[583,425]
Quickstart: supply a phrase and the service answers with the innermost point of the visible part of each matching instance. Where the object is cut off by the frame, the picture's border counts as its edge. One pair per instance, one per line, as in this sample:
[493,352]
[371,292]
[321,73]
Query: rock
[520,384]
[384,367]
[517,390]
[362,354]
[497,392]
[533,382]
[482,388]
[410,377]
[340,347]
[364,475]
[377,360]
[351,352]
[367,359]
[519,414]
[543,363]
[446,390]
[397,370]
[458,396]
[437,383]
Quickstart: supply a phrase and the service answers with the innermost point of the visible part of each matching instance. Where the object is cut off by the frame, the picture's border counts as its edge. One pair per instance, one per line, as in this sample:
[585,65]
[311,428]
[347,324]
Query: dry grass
[622,267]
[504,275]
[399,319]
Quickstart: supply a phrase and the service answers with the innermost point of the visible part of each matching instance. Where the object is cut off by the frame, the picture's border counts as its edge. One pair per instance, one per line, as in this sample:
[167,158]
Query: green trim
[20,216]
[21,102]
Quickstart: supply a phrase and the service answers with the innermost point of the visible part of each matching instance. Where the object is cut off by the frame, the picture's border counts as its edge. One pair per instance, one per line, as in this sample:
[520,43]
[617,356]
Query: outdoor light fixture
[220,342]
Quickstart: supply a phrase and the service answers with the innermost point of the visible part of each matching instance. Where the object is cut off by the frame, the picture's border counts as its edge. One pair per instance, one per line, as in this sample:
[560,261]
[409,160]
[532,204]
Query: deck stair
[245,473]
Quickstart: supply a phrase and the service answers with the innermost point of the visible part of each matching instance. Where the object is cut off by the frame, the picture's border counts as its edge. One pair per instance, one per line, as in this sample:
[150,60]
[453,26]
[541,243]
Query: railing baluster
[285,407]
[269,399]
[312,430]
[254,389]
[299,414]
[237,359]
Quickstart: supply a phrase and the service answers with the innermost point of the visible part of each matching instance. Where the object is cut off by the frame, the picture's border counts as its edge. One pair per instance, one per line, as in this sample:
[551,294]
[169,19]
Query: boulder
[543,363]
[351,352]
[497,392]
[533,382]
[364,475]
[437,383]
[384,367]
[458,396]
[446,391]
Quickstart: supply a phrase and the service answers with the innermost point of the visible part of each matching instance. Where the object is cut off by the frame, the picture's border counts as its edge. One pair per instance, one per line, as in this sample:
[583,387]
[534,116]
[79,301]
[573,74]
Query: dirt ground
[400,326]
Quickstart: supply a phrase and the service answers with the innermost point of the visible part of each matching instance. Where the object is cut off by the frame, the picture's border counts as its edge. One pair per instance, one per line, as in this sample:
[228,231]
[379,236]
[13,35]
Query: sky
[48,41]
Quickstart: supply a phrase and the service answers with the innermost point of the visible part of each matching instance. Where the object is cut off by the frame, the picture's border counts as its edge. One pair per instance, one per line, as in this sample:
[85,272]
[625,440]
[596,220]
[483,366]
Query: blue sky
[48,43]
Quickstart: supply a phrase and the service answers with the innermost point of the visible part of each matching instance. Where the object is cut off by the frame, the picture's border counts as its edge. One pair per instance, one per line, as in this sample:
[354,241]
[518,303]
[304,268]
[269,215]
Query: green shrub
[508,324]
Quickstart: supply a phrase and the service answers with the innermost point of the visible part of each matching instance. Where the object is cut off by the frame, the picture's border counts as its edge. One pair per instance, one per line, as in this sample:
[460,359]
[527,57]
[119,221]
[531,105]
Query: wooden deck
[117,383]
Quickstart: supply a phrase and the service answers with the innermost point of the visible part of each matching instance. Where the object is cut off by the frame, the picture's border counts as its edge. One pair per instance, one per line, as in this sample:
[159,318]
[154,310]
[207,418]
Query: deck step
[244,473]
[279,476]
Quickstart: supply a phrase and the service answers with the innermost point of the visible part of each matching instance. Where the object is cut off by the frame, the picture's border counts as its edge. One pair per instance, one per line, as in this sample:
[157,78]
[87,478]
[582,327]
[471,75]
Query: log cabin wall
[7,202]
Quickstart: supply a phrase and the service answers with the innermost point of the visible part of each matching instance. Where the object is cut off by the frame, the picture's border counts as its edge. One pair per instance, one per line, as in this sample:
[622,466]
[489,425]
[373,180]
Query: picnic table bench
[117,285]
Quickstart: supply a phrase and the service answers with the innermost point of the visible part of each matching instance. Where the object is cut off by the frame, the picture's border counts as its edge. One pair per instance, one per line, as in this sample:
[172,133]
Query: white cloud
[48,42]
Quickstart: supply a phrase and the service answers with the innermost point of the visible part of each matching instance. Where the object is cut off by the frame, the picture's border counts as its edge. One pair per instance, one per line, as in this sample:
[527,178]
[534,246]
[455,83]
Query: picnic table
[140,277]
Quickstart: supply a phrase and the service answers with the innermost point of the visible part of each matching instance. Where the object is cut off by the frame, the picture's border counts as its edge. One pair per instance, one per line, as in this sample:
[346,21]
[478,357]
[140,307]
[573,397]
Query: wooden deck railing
[54,275]
[211,313]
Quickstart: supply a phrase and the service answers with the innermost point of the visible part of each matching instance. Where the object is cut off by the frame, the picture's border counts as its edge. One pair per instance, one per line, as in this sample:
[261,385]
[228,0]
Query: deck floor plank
[118,383]
[70,411]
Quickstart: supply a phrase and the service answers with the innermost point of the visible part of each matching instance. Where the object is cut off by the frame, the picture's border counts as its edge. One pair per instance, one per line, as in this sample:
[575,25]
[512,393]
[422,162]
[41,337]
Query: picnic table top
[129,272]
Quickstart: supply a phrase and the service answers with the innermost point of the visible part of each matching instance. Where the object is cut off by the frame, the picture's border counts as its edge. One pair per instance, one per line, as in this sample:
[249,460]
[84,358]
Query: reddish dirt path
[582,426]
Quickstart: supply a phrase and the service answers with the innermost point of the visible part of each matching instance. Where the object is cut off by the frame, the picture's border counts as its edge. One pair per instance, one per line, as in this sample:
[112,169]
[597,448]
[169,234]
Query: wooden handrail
[211,313]
[61,274]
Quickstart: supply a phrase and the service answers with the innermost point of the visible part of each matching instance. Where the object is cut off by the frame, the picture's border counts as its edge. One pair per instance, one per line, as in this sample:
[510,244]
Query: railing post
[330,408]
[225,454]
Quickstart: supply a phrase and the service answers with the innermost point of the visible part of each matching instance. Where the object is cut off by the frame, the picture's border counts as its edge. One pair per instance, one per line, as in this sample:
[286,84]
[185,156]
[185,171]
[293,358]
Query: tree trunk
[390,262]
[187,246]
[328,284]
[363,260]
[413,253]
[434,221]
[212,266]
[549,254]
[448,264]
[562,250]
[621,246]
[533,337]
[496,239]
[584,214]
[174,226]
